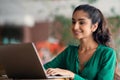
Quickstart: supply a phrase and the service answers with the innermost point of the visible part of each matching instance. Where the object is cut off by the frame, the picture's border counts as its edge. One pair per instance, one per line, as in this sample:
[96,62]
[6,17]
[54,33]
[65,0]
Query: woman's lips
[77,32]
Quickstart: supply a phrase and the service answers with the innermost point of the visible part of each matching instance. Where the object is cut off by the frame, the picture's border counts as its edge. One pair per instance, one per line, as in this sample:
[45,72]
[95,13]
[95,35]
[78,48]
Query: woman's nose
[76,26]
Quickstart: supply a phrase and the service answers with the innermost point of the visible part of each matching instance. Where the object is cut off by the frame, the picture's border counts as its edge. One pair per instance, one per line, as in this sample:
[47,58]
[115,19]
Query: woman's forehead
[80,15]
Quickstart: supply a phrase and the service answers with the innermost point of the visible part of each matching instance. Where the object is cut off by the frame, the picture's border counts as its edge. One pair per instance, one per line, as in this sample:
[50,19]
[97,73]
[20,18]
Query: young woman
[93,59]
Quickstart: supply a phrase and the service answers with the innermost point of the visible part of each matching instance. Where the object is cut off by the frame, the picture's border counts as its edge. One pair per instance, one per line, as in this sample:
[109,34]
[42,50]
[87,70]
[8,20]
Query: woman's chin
[76,37]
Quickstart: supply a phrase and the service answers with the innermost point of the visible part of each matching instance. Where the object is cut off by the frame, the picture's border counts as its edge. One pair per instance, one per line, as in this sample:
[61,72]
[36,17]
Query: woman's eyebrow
[73,19]
[78,19]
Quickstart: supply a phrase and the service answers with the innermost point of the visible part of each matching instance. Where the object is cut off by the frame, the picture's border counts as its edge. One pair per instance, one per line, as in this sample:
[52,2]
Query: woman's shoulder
[106,54]
[106,50]
[72,47]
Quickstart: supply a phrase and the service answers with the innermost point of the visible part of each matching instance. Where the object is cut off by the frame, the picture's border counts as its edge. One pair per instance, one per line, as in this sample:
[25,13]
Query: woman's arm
[58,71]
[59,61]
[58,66]
[108,62]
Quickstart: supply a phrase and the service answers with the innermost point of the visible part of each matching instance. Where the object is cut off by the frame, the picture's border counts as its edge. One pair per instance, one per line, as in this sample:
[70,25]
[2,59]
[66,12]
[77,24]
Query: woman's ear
[94,27]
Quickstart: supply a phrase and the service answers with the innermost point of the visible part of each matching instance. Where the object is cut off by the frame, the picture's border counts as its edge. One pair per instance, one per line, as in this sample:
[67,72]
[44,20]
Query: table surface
[2,78]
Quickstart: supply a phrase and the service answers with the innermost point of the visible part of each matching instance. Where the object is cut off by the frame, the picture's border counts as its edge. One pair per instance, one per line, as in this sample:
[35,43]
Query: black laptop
[22,61]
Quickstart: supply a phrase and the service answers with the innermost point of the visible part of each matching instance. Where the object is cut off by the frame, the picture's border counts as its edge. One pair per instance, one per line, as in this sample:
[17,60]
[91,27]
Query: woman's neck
[88,44]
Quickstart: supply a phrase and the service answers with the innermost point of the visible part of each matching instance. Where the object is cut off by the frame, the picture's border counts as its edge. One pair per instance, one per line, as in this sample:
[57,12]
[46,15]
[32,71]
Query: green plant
[65,31]
[115,28]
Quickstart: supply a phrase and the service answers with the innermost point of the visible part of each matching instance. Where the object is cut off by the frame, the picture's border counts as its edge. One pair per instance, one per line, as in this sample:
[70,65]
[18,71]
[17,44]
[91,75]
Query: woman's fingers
[51,71]
[58,71]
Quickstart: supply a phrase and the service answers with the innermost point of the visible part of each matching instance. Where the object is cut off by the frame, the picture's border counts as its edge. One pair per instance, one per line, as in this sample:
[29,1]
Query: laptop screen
[21,61]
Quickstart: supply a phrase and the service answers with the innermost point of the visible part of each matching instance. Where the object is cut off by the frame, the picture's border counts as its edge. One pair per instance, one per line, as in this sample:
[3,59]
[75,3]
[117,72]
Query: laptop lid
[21,61]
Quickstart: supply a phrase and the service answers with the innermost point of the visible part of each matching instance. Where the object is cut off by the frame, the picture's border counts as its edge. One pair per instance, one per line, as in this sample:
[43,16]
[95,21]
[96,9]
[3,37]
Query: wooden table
[1,78]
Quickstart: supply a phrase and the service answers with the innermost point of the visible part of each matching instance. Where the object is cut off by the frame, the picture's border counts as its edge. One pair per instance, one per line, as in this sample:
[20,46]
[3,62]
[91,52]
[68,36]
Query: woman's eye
[73,22]
[81,23]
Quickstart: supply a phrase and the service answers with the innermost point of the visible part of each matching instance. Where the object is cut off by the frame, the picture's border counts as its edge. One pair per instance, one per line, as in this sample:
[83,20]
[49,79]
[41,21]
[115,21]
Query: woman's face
[81,25]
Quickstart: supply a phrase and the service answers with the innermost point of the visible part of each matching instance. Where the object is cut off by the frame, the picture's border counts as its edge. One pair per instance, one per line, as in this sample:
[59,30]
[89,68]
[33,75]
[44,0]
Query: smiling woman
[94,58]
[81,24]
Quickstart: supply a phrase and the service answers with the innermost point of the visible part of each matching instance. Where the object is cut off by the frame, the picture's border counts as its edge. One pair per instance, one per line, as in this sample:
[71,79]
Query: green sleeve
[77,77]
[58,62]
[108,62]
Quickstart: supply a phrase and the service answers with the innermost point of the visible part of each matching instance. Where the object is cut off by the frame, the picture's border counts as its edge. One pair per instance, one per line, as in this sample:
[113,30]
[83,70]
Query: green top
[100,66]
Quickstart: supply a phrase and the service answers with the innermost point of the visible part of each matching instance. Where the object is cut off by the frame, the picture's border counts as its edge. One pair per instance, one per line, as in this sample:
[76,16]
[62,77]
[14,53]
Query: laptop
[22,61]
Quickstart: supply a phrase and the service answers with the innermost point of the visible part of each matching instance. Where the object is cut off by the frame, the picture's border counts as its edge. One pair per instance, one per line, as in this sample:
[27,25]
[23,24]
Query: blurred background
[47,23]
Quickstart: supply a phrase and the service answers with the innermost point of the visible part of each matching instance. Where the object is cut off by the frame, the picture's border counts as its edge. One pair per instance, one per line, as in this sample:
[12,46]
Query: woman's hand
[58,71]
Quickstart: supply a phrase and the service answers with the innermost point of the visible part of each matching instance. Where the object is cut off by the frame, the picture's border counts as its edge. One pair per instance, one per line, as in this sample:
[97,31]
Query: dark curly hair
[102,35]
